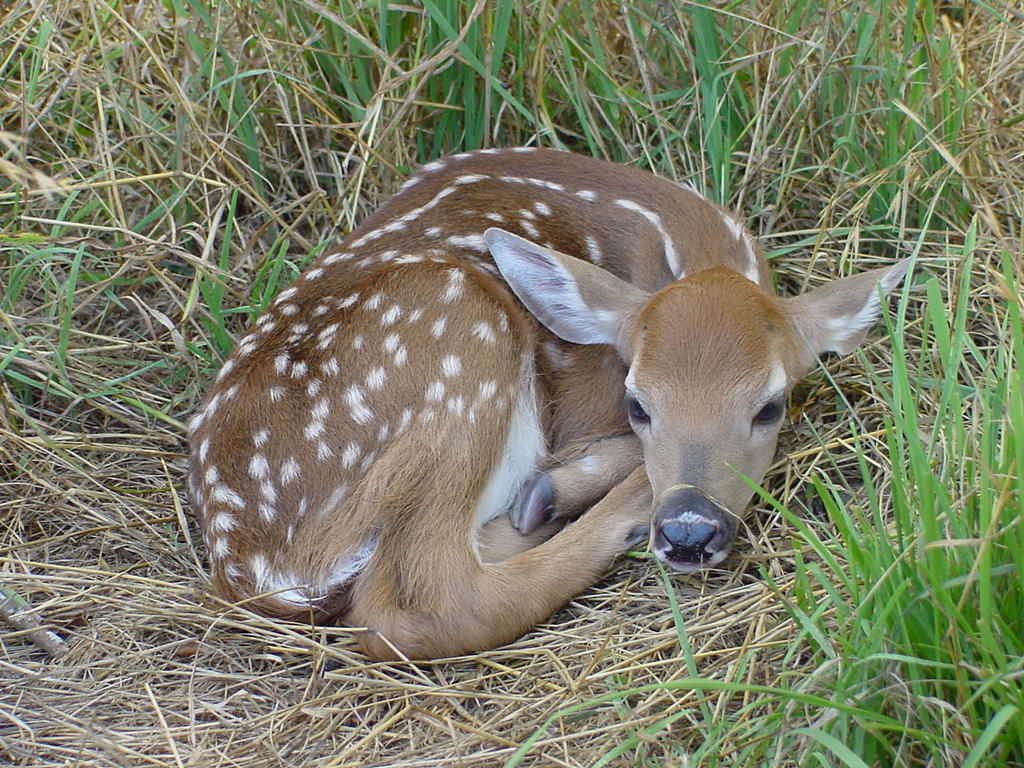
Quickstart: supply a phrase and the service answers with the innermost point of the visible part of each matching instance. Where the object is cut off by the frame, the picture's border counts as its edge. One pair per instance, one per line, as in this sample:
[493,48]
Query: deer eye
[769,413]
[637,414]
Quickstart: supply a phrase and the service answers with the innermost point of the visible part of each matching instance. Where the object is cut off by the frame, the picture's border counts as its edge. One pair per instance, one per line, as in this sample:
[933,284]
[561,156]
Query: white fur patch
[671,257]
[524,447]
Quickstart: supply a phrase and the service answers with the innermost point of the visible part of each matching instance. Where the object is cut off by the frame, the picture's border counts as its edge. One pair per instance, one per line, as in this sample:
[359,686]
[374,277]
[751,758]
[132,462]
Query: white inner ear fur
[848,326]
[549,290]
[844,331]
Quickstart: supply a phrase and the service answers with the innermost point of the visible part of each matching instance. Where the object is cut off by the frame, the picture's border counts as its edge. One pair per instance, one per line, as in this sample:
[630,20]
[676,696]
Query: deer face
[710,359]
[710,366]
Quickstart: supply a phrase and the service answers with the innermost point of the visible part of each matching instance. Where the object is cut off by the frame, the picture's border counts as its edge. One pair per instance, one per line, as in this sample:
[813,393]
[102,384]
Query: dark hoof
[535,505]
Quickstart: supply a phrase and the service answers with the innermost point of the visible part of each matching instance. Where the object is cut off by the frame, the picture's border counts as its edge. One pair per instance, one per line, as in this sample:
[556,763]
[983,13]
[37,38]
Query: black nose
[688,537]
[690,527]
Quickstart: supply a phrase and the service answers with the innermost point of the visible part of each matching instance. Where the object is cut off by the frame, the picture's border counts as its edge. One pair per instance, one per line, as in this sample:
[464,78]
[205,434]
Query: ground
[167,167]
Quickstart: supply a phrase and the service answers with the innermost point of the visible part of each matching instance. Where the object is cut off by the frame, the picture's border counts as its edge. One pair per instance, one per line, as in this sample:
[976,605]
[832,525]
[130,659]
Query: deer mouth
[691,531]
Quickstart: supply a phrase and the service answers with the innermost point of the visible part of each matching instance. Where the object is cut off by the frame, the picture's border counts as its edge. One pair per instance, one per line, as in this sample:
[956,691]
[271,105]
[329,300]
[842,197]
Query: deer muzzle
[691,530]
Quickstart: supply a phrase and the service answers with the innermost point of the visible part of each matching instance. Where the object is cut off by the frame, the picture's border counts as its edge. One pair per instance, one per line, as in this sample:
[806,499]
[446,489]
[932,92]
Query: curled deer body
[518,338]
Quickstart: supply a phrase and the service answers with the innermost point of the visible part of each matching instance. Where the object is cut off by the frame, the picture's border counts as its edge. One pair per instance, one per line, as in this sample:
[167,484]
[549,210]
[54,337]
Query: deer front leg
[575,480]
[462,605]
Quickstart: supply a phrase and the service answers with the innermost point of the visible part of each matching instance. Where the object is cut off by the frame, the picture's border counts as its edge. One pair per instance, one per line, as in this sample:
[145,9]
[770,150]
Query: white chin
[687,567]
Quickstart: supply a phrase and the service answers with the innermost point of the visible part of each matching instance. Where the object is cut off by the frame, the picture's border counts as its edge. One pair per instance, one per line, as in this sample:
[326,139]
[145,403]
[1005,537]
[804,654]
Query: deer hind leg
[575,480]
[427,595]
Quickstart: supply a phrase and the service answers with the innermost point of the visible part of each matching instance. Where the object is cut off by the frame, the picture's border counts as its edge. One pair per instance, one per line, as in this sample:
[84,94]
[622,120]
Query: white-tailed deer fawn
[517,338]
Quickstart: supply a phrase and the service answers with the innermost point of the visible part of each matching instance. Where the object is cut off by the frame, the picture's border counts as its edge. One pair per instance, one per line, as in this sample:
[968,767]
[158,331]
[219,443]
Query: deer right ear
[836,317]
[572,298]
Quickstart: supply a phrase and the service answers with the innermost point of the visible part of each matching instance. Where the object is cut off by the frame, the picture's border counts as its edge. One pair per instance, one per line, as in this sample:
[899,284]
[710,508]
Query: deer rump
[517,339]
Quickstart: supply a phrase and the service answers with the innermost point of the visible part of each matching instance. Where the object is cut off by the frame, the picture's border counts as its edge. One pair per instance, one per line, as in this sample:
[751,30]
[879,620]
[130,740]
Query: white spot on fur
[330,367]
[290,470]
[223,522]
[473,242]
[529,229]
[733,226]
[435,392]
[451,365]
[437,329]
[391,316]
[357,407]
[586,194]
[284,295]
[671,257]
[542,208]
[220,548]
[277,394]
[258,466]
[321,410]
[487,390]
[196,422]
[375,379]
[594,250]
[227,496]
[455,286]
[484,331]
[351,455]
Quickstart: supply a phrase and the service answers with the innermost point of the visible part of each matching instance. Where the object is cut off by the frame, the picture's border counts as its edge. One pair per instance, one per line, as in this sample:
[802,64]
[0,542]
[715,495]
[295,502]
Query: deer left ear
[574,299]
[836,317]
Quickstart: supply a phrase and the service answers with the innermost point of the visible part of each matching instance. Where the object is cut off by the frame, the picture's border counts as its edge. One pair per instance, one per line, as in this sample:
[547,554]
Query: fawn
[518,338]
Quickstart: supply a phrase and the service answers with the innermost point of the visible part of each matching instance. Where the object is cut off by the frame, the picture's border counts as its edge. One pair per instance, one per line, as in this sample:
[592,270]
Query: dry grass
[144,201]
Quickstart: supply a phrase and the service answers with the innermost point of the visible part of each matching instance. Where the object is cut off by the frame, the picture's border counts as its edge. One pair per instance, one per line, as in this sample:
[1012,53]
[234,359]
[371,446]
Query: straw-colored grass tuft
[166,167]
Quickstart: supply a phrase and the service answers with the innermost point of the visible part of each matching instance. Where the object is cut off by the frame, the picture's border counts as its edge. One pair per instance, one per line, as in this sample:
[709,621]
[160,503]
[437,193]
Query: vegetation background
[166,166]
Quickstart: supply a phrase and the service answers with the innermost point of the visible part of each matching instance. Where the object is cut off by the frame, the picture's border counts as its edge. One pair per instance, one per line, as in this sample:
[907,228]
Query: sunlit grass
[166,168]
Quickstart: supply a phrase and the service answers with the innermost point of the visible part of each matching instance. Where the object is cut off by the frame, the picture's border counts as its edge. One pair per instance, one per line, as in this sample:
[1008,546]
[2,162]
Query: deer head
[710,360]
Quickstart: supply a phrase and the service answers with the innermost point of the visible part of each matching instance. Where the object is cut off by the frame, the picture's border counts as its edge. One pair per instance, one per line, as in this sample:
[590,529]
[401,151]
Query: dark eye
[769,414]
[637,414]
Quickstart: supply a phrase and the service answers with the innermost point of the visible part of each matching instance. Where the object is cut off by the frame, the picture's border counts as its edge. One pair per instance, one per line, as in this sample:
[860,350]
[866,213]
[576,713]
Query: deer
[524,364]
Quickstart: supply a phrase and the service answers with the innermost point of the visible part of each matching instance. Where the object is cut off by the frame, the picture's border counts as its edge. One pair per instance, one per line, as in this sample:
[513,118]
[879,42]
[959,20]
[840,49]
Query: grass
[167,167]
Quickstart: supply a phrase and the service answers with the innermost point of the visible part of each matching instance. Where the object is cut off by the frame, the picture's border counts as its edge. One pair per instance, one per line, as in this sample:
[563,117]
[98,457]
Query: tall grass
[166,168]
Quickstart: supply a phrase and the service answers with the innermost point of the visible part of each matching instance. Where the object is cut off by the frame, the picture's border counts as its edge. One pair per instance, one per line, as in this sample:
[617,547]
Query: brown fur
[340,458]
